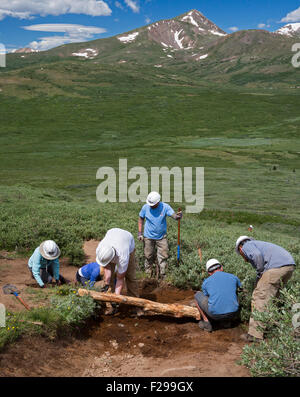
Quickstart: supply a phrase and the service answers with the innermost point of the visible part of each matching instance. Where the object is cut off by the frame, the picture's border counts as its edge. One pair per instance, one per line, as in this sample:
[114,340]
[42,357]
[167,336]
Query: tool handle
[178,252]
[178,239]
[21,300]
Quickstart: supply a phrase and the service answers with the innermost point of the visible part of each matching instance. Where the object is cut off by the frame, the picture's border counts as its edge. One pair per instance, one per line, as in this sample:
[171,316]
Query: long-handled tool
[178,239]
[12,289]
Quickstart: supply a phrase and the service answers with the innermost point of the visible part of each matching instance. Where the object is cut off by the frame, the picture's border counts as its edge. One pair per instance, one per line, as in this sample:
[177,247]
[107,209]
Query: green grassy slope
[239,137]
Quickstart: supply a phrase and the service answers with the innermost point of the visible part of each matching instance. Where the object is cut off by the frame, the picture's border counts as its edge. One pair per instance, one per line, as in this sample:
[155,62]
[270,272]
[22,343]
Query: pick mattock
[12,289]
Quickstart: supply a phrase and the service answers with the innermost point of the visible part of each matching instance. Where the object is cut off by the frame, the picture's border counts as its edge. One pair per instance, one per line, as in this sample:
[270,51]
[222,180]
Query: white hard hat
[239,241]
[49,250]
[210,263]
[104,254]
[153,198]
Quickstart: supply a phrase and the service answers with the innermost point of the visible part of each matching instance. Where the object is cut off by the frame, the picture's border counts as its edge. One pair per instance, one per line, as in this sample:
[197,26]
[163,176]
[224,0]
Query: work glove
[140,236]
[105,288]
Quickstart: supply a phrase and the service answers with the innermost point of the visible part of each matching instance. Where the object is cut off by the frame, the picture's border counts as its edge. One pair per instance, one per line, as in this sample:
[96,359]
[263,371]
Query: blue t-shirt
[221,288]
[156,223]
[91,271]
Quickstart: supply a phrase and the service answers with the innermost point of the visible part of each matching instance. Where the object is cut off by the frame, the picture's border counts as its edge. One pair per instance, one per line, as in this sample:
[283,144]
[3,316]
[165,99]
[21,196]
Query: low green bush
[279,354]
[67,311]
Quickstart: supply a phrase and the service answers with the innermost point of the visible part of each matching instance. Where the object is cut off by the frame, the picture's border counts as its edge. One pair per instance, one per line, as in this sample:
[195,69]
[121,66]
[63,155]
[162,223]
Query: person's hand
[105,288]
[179,214]
[140,236]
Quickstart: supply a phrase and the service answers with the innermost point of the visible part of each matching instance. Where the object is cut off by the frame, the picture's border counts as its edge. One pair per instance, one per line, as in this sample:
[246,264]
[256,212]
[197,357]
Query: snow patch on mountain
[129,38]
[217,33]
[202,57]
[88,53]
[291,29]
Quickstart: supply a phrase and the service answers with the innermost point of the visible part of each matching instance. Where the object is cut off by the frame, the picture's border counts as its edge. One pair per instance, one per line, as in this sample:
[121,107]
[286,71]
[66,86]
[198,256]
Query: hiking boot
[205,325]
[249,338]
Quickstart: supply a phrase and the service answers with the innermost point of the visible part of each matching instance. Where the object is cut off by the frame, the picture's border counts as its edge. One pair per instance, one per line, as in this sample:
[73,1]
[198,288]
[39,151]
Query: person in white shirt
[116,254]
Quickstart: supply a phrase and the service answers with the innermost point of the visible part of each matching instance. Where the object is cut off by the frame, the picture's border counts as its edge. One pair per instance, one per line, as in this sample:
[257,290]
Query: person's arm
[175,215]
[56,270]
[36,265]
[255,257]
[119,283]
[204,290]
[107,276]
[94,275]
[140,228]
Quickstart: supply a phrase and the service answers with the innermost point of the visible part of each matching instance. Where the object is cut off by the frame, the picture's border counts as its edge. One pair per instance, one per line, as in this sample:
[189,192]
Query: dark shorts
[47,275]
[202,301]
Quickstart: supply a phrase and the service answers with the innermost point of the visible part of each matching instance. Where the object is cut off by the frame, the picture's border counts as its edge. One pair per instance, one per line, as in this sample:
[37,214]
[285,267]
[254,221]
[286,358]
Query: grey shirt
[264,256]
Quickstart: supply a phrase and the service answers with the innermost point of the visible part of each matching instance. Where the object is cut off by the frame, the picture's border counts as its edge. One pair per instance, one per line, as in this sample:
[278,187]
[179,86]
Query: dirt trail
[121,345]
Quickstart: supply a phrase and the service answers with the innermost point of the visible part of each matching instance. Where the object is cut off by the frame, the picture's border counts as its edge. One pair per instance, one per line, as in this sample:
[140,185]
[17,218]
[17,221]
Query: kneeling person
[44,264]
[89,274]
[218,301]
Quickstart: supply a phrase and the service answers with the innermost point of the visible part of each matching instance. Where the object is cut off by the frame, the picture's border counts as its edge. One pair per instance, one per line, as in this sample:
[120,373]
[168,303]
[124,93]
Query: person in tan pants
[274,266]
[155,213]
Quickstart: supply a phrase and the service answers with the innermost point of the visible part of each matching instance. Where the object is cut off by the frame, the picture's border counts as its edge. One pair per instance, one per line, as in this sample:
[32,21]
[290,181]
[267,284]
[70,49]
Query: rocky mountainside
[189,45]
[185,31]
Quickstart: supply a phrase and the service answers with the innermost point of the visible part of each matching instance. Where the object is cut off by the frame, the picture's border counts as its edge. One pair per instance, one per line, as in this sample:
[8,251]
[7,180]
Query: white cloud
[293,16]
[65,28]
[133,5]
[263,25]
[147,20]
[73,34]
[26,9]
[233,28]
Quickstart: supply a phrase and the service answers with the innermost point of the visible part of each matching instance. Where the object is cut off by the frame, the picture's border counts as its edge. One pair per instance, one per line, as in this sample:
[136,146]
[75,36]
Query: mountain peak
[185,31]
[291,29]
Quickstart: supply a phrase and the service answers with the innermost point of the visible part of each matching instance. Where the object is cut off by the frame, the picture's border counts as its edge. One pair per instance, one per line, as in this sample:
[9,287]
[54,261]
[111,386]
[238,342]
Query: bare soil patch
[121,345]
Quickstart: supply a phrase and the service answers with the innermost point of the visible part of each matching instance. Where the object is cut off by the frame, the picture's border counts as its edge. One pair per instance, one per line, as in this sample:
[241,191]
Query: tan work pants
[162,254]
[267,288]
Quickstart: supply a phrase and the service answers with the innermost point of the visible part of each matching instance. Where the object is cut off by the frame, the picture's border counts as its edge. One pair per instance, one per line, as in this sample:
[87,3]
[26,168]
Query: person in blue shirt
[44,264]
[218,300]
[89,274]
[155,232]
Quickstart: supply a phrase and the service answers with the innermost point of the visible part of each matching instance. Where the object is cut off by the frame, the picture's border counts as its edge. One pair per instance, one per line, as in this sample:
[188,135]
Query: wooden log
[173,309]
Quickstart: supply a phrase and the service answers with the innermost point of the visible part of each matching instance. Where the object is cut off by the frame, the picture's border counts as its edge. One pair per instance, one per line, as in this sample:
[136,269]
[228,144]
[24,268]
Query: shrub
[279,354]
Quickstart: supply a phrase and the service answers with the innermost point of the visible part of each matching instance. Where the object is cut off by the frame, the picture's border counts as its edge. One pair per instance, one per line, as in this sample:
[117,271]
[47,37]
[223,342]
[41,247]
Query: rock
[141,344]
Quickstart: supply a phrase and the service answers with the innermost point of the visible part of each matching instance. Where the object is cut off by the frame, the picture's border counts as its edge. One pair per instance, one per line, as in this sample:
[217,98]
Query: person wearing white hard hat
[155,213]
[274,267]
[44,264]
[218,299]
[116,254]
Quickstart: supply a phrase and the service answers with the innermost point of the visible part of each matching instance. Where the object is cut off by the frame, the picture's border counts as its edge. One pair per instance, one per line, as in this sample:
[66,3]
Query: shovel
[12,289]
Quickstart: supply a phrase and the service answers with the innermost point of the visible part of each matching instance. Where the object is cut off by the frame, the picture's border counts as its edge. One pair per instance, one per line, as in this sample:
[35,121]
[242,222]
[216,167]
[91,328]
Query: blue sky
[42,24]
